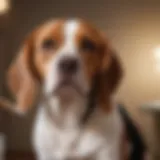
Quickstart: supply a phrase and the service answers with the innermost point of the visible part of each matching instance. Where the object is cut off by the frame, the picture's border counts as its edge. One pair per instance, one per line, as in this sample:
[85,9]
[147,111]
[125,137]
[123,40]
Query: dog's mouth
[68,87]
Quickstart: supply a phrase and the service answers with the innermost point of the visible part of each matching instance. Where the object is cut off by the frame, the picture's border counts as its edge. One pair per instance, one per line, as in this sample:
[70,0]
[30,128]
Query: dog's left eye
[87,45]
[48,44]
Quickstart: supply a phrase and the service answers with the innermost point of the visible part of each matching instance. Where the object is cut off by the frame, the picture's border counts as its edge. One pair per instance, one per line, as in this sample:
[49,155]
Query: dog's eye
[48,44]
[87,45]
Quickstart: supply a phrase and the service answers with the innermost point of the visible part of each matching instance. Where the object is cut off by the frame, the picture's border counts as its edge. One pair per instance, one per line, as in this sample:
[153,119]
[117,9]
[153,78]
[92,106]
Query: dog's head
[63,56]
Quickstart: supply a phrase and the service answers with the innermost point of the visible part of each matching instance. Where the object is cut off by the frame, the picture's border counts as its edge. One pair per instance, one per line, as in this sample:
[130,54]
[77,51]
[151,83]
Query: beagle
[75,71]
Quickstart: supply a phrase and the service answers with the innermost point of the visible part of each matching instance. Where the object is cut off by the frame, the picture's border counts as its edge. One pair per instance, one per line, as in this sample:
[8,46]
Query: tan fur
[28,69]
[103,62]
[52,30]
[21,82]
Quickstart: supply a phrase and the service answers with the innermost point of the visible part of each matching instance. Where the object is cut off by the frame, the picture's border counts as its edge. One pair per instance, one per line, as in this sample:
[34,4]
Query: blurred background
[133,28]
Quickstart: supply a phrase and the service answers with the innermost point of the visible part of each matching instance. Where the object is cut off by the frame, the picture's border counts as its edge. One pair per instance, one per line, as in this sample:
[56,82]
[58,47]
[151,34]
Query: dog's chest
[61,143]
[70,141]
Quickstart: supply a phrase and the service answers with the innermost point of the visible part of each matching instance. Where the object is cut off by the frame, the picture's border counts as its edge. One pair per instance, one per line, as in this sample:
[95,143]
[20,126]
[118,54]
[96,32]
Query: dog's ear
[20,77]
[110,77]
[113,73]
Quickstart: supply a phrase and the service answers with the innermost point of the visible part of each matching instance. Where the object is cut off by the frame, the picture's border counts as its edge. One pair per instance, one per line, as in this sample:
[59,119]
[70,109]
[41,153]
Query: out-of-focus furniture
[153,109]
[19,155]
[2,146]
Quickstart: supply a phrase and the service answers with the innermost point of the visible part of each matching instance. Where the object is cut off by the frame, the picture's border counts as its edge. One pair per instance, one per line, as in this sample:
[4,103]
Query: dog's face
[65,56]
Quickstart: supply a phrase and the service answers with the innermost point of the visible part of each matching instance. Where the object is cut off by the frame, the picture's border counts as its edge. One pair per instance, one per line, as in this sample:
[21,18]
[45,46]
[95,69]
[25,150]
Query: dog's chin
[68,91]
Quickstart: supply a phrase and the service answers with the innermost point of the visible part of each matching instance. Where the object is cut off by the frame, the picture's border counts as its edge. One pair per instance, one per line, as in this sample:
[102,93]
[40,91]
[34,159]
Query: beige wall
[133,29]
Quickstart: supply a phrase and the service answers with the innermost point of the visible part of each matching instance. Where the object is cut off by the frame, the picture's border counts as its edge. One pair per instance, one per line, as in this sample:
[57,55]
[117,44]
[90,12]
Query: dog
[75,72]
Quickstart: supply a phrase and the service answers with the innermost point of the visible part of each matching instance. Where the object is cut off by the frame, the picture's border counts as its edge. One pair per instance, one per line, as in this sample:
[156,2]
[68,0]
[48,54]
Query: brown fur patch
[28,69]
[101,62]
[53,30]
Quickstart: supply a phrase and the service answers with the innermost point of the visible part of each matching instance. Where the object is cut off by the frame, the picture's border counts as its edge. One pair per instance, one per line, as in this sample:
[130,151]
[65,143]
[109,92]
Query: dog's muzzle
[68,66]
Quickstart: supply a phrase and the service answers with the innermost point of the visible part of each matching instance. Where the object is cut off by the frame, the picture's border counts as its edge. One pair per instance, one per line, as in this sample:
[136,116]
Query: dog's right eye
[48,44]
[87,45]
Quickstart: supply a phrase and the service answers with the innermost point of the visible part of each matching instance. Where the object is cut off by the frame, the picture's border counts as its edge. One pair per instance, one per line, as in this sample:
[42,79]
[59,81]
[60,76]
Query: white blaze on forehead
[68,48]
[70,30]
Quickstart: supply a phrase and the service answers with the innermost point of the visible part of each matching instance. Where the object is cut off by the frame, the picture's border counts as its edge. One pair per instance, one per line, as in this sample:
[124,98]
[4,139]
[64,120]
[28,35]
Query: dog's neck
[65,113]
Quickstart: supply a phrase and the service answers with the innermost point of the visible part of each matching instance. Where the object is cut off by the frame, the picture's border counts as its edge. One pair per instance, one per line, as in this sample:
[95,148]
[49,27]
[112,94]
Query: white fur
[68,49]
[98,140]
[58,134]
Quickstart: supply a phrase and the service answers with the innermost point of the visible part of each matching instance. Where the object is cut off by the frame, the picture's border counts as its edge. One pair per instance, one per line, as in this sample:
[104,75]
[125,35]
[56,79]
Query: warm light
[4,6]
[157,67]
[157,53]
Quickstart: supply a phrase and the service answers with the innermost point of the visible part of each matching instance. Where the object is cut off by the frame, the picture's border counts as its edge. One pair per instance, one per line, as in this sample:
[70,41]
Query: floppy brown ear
[110,79]
[20,80]
[113,74]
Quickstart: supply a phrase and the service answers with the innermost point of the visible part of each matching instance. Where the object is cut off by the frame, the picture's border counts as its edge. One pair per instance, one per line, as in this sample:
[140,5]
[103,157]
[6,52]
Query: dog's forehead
[65,29]
[54,27]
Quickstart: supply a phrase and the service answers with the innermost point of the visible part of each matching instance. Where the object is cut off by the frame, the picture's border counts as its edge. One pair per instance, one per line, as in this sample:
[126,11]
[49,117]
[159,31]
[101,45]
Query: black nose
[68,65]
